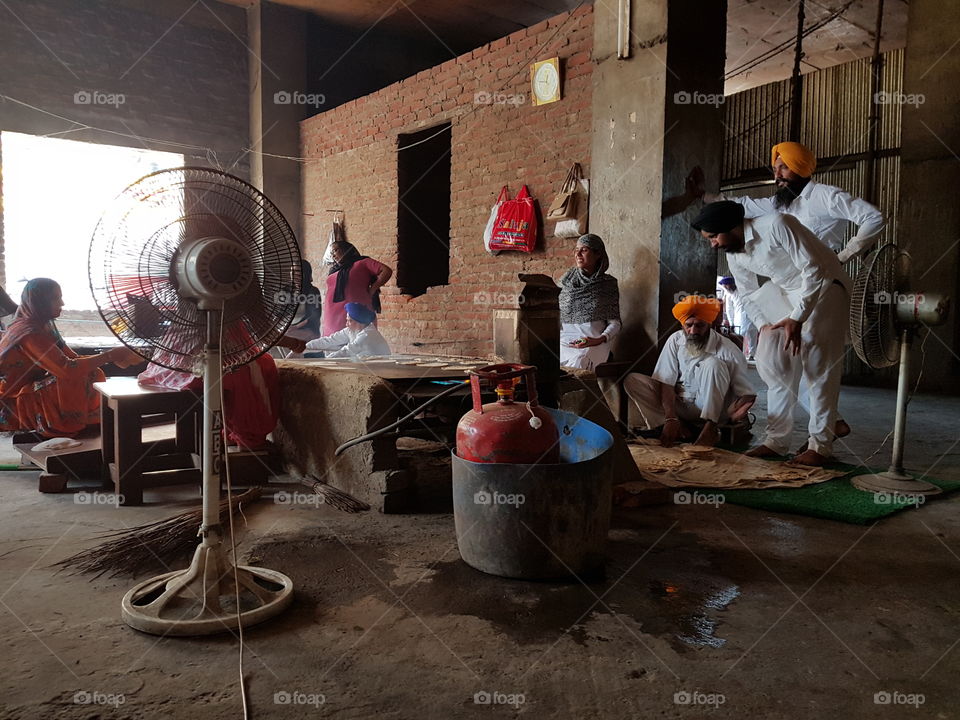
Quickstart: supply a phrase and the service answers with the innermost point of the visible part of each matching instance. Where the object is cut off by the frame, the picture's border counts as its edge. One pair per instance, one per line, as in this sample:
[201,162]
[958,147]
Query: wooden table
[130,463]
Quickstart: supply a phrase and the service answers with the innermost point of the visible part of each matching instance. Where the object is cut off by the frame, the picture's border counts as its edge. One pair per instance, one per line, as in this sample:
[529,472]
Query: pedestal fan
[193,269]
[885,316]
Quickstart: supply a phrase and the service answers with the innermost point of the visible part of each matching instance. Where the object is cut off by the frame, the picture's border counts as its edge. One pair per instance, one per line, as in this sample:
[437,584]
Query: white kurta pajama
[352,344]
[807,284]
[737,318]
[706,385]
[825,211]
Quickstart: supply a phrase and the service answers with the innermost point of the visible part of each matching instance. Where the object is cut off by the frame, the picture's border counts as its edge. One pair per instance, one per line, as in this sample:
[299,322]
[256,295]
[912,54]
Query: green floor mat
[835,499]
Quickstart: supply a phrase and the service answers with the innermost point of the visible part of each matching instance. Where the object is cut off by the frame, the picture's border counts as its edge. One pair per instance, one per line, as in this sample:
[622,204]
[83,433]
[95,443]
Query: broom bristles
[154,543]
[335,497]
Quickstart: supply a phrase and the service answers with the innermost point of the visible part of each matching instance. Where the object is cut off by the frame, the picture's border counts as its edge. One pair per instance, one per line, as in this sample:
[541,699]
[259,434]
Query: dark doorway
[423,209]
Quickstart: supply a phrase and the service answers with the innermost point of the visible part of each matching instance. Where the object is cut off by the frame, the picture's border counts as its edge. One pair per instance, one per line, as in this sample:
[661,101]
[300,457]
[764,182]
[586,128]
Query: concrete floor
[719,612]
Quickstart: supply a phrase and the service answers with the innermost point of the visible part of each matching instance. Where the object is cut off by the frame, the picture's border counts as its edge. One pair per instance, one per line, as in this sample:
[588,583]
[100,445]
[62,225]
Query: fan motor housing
[212,270]
[922,309]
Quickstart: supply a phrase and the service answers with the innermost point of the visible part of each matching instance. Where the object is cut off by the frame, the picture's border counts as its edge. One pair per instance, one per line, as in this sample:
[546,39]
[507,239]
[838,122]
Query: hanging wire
[786,44]
[211,155]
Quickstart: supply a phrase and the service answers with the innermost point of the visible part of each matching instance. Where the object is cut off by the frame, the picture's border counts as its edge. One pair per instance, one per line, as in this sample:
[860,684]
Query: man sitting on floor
[700,376]
[359,339]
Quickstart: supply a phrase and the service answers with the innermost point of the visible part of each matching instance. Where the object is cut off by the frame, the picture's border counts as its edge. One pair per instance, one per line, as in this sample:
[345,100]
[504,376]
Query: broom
[157,543]
[334,497]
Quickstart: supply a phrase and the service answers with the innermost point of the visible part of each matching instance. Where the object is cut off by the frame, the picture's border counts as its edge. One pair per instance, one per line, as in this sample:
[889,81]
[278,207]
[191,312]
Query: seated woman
[45,387]
[589,307]
[353,278]
[251,394]
[359,339]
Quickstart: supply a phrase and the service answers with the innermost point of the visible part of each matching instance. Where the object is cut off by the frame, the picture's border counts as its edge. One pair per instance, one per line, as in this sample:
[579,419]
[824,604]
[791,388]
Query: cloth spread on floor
[697,466]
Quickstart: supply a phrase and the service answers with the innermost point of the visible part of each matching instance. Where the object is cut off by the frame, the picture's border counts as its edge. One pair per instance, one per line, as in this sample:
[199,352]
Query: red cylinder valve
[506,431]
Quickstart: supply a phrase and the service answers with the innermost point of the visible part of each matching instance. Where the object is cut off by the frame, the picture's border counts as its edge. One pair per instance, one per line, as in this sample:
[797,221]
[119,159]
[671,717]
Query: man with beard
[823,209]
[802,315]
[700,377]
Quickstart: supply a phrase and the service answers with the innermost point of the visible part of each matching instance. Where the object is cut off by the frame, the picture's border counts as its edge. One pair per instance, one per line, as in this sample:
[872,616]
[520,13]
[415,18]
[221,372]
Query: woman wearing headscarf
[306,323]
[353,278]
[589,306]
[45,387]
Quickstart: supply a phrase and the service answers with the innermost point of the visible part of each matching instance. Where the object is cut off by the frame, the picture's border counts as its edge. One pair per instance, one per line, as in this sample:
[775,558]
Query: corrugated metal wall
[835,125]
[836,110]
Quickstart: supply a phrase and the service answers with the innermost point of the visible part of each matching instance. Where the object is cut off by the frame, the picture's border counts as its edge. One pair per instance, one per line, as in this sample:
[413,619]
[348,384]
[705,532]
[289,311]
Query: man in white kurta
[802,313]
[823,209]
[359,339]
[736,317]
[700,377]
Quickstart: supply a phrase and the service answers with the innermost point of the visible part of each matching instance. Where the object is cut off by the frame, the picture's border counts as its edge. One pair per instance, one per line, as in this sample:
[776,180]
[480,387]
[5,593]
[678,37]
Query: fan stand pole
[896,481]
[202,599]
[900,423]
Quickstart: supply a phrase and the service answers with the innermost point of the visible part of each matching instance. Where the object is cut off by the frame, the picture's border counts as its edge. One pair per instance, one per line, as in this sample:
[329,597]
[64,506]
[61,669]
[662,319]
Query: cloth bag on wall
[564,205]
[337,233]
[577,226]
[516,225]
[488,231]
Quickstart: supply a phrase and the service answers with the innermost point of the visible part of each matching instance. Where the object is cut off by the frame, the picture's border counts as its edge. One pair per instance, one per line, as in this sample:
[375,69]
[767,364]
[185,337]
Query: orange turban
[698,306]
[796,157]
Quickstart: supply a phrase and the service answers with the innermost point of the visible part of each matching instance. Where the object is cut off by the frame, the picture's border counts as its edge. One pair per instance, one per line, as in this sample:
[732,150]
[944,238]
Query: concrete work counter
[326,403]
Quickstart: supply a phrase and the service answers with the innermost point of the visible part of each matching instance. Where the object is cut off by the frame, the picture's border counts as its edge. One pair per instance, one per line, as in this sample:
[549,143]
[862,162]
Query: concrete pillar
[929,221]
[645,139]
[696,55]
[285,104]
[255,72]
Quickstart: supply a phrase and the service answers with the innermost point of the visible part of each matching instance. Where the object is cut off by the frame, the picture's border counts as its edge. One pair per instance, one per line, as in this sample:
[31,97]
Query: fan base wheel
[895,483]
[201,600]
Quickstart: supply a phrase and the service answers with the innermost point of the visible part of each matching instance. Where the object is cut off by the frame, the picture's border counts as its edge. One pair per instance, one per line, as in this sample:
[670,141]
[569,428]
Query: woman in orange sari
[45,387]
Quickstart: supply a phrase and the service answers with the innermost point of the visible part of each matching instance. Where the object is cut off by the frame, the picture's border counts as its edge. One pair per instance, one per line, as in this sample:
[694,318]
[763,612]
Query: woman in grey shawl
[589,307]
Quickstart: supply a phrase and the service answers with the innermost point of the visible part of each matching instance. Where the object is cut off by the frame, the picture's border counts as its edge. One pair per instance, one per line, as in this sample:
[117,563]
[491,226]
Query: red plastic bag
[516,225]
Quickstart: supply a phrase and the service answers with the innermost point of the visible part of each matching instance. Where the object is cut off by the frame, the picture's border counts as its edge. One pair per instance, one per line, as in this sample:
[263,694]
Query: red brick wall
[353,166]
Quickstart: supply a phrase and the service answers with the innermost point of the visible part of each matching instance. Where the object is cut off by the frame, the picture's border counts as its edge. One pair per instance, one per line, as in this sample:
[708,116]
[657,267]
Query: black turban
[719,217]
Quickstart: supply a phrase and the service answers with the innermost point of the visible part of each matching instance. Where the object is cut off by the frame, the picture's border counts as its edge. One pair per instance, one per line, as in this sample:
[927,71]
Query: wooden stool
[83,461]
[131,464]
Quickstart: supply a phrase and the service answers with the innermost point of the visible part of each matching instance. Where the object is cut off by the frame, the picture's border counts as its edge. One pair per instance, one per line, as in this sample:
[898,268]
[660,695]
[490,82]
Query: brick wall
[353,167]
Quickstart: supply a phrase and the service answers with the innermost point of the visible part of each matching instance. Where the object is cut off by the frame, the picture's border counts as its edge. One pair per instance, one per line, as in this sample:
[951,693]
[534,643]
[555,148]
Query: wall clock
[545,81]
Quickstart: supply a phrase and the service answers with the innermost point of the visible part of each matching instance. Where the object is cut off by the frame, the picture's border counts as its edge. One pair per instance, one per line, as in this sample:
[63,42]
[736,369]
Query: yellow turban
[698,306]
[796,157]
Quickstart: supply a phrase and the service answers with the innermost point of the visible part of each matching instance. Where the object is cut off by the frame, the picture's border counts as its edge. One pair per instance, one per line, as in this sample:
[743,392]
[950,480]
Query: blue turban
[361,313]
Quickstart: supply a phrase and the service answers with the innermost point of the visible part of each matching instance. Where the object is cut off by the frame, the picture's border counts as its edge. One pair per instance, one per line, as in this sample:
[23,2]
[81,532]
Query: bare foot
[710,435]
[761,451]
[811,458]
[841,428]
[738,411]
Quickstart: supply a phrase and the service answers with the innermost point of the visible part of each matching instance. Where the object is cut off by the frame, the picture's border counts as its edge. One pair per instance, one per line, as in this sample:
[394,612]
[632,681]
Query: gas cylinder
[506,431]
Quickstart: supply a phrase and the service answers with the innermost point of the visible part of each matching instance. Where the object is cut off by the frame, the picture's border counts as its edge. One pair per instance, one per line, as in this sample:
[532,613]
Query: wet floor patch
[688,610]
[684,605]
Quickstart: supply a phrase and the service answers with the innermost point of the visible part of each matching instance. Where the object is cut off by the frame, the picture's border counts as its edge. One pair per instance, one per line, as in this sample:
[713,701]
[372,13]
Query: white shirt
[352,344]
[589,357]
[678,368]
[800,267]
[825,210]
[732,308]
